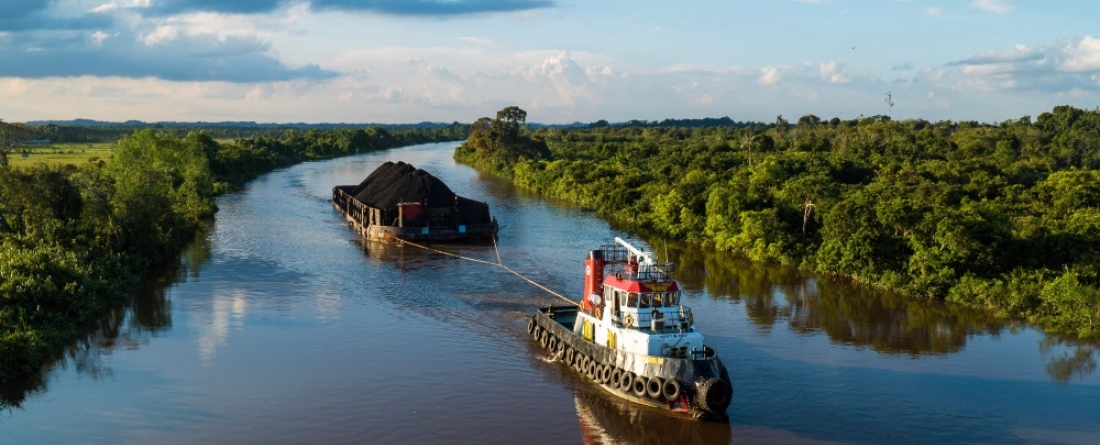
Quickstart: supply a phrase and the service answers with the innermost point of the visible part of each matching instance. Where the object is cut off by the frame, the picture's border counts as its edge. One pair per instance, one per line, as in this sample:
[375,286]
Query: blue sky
[561,60]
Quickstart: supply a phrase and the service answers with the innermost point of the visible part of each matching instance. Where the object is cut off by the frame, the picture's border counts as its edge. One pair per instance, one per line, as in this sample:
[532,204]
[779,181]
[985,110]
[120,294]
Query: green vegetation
[499,141]
[74,239]
[1005,217]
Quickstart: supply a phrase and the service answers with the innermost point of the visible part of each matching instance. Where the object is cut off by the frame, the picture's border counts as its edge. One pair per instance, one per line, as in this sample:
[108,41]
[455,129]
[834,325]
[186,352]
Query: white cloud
[933,11]
[1083,56]
[995,6]
[105,8]
[1057,67]
[16,86]
[769,76]
[161,34]
[599,73]
[705,99]
[564,76]
[830,71]
[98,37]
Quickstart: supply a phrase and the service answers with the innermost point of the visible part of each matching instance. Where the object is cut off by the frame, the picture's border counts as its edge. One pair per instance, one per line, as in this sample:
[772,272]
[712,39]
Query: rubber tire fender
[605,374]
[653,387]
[714,395]
[671,389]
[616,375]
[625,380]
[531,325]
[638,385]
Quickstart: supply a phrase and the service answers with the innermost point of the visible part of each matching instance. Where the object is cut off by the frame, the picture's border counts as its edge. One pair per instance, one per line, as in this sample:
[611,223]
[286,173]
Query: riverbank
[74,240]
[1002,217]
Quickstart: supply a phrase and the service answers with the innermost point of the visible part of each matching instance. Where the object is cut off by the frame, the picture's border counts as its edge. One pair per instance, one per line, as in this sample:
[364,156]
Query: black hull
[696,378]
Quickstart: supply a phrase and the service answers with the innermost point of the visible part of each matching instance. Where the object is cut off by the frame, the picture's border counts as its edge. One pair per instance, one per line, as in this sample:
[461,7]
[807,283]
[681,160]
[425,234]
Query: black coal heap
[393,183]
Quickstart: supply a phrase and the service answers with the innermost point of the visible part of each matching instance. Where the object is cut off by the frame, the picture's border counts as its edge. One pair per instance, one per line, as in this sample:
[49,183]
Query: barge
[400,202]
[631,335]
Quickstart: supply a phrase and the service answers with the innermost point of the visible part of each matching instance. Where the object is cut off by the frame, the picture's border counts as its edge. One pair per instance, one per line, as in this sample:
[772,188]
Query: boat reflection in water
[605,420]
[409,257]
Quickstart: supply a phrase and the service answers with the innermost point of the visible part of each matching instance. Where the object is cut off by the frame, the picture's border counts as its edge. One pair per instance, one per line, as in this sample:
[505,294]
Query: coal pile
[393,183]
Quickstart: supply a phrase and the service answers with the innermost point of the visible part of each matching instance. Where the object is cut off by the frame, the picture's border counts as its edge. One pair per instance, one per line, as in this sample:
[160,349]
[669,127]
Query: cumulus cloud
[1082,56]
[769,76]
[830,72]
[1059,67]
[564,76]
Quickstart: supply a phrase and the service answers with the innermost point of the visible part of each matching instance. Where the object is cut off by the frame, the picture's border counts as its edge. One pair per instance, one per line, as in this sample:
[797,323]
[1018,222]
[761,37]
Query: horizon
[395,62]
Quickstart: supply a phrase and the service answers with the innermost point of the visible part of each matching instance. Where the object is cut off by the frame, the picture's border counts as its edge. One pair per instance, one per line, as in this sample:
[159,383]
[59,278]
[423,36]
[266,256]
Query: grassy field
[63,153]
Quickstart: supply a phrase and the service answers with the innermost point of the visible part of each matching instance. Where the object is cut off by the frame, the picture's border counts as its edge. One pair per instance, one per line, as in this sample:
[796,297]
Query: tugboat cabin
[632,304]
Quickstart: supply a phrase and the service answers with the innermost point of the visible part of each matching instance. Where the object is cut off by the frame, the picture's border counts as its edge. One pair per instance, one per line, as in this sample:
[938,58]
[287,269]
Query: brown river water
[280,326]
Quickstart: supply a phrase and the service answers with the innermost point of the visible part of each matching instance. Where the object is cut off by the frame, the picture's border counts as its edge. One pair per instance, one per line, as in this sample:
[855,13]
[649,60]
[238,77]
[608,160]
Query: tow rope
[499,264]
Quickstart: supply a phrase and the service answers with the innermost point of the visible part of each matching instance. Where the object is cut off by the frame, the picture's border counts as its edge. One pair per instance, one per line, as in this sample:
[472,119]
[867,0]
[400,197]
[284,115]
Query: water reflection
[854,314]
[606,421]
[227,311]
[1067,359]
[145,315]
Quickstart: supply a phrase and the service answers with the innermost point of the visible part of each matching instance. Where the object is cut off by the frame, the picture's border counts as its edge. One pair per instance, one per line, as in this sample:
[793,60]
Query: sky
[563,61]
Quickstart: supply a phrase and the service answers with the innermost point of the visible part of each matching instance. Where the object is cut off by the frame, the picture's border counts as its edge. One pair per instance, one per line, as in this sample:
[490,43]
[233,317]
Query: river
[280,326]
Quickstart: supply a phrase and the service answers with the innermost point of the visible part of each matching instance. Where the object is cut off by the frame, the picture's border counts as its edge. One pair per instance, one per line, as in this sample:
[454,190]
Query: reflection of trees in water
[130,324]
[852,313]
[847,312]
[1066,358]
[891,323]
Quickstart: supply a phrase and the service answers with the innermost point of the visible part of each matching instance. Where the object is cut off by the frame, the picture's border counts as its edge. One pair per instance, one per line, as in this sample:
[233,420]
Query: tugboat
[630,335]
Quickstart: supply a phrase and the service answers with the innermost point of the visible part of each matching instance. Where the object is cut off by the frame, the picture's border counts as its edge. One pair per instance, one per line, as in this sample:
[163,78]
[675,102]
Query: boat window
[632,300]
[657,301]
[671,299]
[644,302]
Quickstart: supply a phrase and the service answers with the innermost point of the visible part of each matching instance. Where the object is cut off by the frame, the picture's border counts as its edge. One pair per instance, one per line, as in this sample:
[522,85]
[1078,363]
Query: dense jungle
[75,239]
[1000,216]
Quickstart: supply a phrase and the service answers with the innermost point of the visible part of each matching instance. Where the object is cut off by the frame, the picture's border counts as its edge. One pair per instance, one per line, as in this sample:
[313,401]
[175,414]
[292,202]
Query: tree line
[1002,216]
[75,239]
